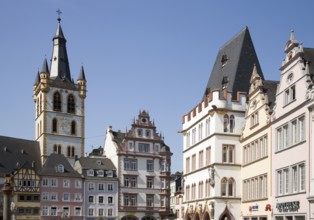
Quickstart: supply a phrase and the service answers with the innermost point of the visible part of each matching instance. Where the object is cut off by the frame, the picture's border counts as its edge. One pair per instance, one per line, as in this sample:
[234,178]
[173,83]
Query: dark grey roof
[270,87]
[50,165]
[309,56]
[16,153]
[91,163]
[165,148]
[62,55]
[82,74]
[45,68]
[118,136]
[234,65]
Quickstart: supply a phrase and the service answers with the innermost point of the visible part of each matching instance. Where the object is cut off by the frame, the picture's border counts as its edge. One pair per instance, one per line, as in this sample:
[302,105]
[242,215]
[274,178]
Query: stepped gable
[51,164]
[233,66]
[16,153]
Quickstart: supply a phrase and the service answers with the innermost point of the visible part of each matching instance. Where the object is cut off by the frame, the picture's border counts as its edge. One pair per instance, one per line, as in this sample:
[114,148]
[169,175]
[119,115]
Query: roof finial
[59,12]
[292,35]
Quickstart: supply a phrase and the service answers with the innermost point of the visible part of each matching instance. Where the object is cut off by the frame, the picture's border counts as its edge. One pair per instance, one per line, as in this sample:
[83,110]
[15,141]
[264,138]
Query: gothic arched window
[230,187]
[231,123]
[71,104]
[224,187]
[57,102]
[226,122]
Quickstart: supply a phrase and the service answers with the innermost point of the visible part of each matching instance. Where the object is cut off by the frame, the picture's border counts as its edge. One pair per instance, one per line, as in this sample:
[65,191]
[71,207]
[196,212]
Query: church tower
[59,104]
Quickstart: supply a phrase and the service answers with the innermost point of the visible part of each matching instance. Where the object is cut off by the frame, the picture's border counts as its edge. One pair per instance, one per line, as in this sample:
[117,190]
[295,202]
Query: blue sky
[153,55]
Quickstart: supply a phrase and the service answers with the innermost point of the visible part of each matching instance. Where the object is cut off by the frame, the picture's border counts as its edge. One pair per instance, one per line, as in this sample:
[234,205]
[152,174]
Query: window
[226,122]
[54,125]
[78,211]
[139,132]
[91,186]
[201,159]
[162,201]
[57,102]
[100,199]
[208,149]
[66,183]
[45,182]
[200,131]
[78,197]
[188,140]
[45,196]
[187,165]
[66,197]
[150,165]
[100,212]
[110,187]
[71,104]
[227,187]
[254,119]
[73,128]
[150,182]
[232,123]
[110,200]
[78,184]
[53,211]
[149,200]
[228,154]
[90,199]
[110,212]
[207,127]
[147,133]
[193,136]
[130,181]
[130,164]
[90,211]
[44,211]
[57,149]
[207,188]
[90,172]
[100,173]
[54,196]
[142,147]
[200,190]
[130,200]
[53,183]
[193,162]
[60,168]
[290,95]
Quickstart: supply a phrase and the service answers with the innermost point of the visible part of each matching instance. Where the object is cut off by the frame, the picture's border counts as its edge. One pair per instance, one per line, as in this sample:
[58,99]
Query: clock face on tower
[65,125]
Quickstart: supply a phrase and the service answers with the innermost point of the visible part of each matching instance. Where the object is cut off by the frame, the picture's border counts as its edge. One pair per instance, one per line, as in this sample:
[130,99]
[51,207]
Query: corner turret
[81,82]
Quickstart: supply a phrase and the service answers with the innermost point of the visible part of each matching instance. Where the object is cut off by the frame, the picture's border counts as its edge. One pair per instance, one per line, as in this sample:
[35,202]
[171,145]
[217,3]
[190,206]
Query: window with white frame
[200,131]
[143,147]
[226,122]
[291,179]
[227,187]
[110,211]
[149,200]
[77,197]
[193,136]
[207,127]
[45,182]
[78,211]
[208,154]
[53,211]
[130,164]
[290,95]
[110,187]
[290,133]
[187,165]
[187,140]
[54,196]
[66,183]
[45,196]
[130,200]
[44,211]
[193,162]
[91,199]
[254,119]
[100,187]
[66,197]
[78,184]
[110,200]
[91,186]
[100,199]
[201,159]
[90,211]
[228,154]
[150,182]
[100,212]
[90,172]
[150,165]
[53,183]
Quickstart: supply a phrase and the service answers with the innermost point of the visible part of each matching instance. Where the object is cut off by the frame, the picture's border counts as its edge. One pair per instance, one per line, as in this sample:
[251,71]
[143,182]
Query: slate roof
[118,136]
[21,152]
[270,87]
[234,65]
[50,165]
[90,163]
[309,56]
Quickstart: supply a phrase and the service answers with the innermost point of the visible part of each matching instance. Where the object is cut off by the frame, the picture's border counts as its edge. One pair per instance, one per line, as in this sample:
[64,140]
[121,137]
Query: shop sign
[253,208]
[288,206]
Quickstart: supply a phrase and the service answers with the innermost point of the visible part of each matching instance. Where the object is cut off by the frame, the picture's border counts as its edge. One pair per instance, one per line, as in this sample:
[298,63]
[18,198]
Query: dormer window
[90,172]
[109,173]
[60,168]
[100,173]
[98,162]
[224,82]
[224,60]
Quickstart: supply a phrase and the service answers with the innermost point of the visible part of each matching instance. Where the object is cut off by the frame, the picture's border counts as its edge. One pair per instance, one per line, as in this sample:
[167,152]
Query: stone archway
[206,216]
[226,215]
[196,216]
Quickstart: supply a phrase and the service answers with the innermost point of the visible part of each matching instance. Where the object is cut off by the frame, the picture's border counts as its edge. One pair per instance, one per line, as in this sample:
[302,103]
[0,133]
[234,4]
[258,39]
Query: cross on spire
[59,12]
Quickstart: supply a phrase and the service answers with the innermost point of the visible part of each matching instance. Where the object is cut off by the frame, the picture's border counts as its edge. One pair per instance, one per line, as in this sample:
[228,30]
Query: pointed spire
[82,74]
[45,68]
[255,75]
[37,79]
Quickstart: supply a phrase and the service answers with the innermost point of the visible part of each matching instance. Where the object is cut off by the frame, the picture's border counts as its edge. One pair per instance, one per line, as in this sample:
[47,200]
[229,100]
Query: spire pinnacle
[292,35]
[59,12]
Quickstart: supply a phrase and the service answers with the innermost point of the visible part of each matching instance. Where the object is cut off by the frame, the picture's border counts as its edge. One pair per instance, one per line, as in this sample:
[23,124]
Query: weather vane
[59,12]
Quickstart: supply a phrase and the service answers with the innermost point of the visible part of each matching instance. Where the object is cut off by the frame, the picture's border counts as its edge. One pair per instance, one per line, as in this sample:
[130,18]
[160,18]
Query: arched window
[224,187]
[54,125]
[231,187]
[55,148]
[231,123]
[73,127]
[69,151]
[226,122]
[71,104]
[59,149]
[73,152]
[57,102]
[40,103]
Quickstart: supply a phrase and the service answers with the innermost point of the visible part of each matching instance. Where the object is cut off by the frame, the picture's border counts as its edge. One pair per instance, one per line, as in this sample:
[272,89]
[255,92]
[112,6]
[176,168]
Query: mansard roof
[91,163]
[51,164]
[16,153]
[234,64]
